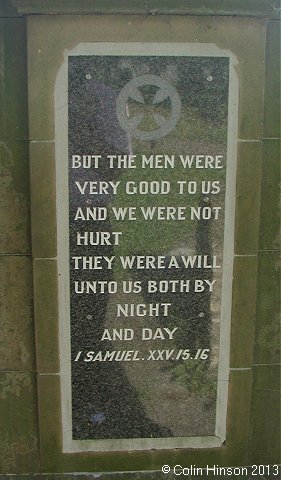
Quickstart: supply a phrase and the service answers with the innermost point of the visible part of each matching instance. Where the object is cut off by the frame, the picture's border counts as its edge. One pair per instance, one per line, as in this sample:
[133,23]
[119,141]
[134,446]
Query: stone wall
[19,422]
[254,390]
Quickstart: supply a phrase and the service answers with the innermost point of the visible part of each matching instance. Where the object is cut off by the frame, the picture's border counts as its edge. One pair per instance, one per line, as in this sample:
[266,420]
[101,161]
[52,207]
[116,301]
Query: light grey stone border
[61,152]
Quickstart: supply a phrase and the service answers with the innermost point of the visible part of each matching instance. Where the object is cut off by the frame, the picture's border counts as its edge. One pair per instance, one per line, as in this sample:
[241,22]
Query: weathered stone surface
[46,314]
[7,9]
[13,90]
[239,417]
[270,214]
[16,330]
[267,342]
[14,202]
[18,423]
[272,81]
[265,431]
[248,198]
[152,7]
[243,311]
[43,200]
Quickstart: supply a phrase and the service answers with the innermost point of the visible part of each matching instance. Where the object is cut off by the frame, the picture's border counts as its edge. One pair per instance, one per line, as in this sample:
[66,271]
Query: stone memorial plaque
[145,139]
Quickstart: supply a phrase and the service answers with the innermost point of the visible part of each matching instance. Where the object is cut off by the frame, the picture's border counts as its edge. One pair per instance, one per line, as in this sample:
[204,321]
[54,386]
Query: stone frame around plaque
[48,37]
[61,154]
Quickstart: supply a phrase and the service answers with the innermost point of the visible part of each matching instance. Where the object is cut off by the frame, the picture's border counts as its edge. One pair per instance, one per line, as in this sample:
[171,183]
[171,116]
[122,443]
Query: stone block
[272,81]
[46,314]
[13,90]
[243,311]
[267,341]
[265,427]
[17,331]
[18,423]
[14,202]
[270,234]
[7,9]
[43,200]
[238,425]
[255,8]
[248,198]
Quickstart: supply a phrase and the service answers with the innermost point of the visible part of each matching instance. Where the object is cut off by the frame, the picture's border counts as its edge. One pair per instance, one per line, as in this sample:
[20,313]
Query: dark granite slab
[147,140]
